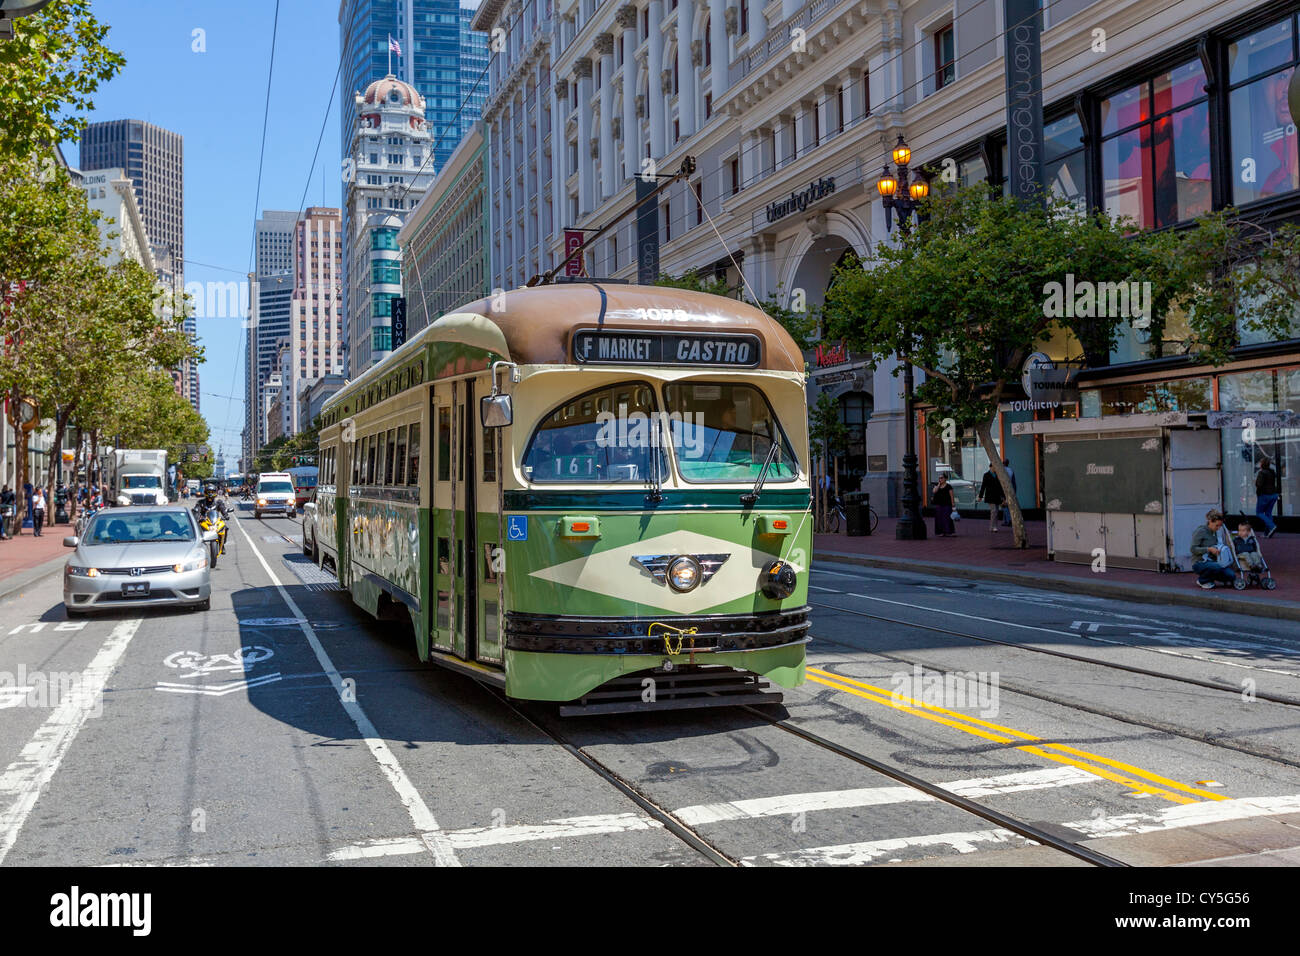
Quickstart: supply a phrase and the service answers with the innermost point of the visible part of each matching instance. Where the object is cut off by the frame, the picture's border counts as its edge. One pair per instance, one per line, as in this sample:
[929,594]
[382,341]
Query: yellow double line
[1133,777]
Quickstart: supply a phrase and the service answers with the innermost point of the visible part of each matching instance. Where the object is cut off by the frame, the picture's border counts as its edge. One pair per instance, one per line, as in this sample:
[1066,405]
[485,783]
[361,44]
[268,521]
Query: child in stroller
[1253,569]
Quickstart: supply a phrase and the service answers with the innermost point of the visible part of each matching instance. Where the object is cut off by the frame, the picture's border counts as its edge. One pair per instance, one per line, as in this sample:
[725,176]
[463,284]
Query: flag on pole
[394,46]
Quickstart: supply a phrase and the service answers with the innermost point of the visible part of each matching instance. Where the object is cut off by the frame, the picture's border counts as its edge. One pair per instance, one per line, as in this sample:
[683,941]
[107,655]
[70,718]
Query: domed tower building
[386,174]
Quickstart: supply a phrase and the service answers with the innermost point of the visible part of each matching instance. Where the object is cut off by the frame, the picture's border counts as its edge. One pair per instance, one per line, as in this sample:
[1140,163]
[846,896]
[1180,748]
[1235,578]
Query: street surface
[286,727]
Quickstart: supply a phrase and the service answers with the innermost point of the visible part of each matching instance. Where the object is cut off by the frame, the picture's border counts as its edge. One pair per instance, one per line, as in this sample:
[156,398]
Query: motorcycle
[212,521]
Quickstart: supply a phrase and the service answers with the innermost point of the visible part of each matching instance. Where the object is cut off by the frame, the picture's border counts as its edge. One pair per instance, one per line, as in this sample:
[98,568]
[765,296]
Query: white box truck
[135,476]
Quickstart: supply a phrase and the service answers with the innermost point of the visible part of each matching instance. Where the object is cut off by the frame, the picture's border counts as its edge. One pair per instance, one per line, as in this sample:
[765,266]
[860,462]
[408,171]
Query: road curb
[22,580]
[1131,592]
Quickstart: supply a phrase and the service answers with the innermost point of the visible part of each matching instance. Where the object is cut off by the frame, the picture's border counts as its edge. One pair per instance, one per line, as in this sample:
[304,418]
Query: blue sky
[215,99]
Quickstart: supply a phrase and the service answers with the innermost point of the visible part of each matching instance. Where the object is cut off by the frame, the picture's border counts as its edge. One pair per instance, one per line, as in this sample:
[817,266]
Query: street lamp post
[903,193]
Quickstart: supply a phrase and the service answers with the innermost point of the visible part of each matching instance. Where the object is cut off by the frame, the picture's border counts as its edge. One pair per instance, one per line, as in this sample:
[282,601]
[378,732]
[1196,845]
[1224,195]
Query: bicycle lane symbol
[194,667]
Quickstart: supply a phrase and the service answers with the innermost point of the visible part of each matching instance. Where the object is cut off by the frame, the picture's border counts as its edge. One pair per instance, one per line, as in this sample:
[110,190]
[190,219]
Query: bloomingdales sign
[798,202]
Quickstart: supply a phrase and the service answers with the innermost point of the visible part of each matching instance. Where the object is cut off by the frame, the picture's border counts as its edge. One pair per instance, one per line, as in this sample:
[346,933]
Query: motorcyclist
[209,500]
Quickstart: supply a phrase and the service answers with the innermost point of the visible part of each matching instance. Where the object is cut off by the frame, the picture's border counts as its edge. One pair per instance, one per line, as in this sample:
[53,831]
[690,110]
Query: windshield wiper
[655,495]
[750,499]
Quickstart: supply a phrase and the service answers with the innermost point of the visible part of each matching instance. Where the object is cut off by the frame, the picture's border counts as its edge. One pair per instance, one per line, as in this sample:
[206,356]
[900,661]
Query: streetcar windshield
[602,436]
[723,432]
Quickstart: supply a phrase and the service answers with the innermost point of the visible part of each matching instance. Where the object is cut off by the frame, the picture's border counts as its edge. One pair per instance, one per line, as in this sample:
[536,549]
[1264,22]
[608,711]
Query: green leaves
[48,71]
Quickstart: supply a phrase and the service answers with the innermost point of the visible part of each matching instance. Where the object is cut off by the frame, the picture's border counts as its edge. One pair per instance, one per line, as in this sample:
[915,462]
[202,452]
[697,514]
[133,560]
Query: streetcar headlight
[684,573]
[777,580]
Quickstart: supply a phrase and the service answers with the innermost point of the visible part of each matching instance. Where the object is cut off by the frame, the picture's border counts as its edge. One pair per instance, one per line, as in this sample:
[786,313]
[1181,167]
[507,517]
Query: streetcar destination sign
[637,347]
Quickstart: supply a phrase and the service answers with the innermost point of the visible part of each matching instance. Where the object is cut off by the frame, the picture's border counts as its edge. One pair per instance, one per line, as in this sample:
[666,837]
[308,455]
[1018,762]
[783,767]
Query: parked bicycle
[829,520]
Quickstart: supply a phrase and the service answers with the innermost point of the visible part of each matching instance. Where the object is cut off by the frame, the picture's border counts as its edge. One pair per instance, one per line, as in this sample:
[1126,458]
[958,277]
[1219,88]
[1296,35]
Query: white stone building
[389,170]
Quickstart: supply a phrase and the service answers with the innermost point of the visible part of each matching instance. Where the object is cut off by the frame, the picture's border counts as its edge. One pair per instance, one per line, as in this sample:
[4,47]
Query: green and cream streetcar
[589,493]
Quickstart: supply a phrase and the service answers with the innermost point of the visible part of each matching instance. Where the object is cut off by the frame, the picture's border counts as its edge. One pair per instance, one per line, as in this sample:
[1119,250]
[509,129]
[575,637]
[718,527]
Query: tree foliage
[48,71]
[792,312]
[964,295]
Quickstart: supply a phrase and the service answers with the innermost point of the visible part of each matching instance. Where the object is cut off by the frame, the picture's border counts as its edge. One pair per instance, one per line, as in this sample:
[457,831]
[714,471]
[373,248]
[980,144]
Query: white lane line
[497,836]
[790,804]
[1075,634]
[25,778]
[1188,815]
[858,854]
[426,826]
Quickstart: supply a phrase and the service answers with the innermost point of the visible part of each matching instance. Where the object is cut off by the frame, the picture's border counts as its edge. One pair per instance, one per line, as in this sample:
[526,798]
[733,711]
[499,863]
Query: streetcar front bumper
[563,657]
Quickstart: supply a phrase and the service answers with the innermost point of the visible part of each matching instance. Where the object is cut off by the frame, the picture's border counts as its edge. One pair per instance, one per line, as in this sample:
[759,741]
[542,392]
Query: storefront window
[1179,395]
[1266,390]
[1155,149]
[1264,143]
[1063,160]
[855,410]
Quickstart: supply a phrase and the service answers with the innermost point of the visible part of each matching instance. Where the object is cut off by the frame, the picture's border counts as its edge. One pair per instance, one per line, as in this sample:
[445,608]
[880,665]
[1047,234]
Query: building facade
[271,291]
[791,109]
[316,347]
[390,173]
[444,242]
[154,160]
[111,193]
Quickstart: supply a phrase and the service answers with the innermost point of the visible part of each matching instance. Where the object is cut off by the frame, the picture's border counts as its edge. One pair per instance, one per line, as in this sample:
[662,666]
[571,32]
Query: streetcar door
[442,515]
[488,532]
[465,546]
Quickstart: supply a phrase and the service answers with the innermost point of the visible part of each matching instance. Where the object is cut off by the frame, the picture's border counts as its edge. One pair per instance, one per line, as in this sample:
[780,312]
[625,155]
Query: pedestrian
[1208,557]
[991,494]
[1266,496]
[38,511]
[27,504]
[7,511]
[1006,507]
[943,501]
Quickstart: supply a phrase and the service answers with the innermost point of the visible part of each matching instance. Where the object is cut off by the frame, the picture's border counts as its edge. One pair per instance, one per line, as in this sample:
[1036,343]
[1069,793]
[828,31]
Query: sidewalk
[978,553]
[27,559]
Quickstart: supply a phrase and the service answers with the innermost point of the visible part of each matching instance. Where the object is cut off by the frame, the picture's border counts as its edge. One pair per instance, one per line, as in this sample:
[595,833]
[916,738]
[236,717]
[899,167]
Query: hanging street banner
[1024,99]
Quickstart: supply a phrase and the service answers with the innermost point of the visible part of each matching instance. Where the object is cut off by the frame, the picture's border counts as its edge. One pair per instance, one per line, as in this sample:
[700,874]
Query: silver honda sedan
[138,557]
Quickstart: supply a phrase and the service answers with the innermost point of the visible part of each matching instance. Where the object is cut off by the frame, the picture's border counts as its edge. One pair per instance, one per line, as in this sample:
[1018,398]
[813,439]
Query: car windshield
[141,481]
[724,432]
[602,436]
[115,528]
[275,488]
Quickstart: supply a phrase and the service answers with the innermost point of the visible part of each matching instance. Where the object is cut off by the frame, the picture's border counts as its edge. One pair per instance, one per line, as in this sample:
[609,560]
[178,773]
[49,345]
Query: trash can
[857,514]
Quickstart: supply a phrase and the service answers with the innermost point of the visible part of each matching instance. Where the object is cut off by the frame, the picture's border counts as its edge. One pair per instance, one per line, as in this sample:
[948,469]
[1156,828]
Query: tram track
[1027,830]
[687,834]
[1160,726]
[1066,655]
[716,855]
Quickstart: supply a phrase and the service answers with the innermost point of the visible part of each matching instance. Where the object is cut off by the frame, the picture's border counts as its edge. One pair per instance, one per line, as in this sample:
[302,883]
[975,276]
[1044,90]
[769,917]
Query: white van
[275,495]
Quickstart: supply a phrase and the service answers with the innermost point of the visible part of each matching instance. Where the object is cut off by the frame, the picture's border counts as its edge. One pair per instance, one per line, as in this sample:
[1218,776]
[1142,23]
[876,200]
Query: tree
[48,72]
[794,315]
[968,293]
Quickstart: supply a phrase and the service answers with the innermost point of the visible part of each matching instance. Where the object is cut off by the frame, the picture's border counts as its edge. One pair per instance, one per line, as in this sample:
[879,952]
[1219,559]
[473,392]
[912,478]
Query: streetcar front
[657,513]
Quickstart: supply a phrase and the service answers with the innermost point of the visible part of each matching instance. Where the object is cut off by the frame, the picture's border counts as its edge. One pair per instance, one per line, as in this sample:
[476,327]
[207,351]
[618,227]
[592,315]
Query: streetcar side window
[444,443]
[390,445]
[606,435]
[724,431]
[490,453]
[413,464]
[399,457]
[372,449]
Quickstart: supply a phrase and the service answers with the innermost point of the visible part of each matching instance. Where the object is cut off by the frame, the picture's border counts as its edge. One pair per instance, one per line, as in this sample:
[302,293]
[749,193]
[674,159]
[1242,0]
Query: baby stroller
[1260,577]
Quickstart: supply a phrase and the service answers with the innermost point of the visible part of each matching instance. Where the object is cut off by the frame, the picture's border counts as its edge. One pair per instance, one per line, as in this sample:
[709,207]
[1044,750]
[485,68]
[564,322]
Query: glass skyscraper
[440,57]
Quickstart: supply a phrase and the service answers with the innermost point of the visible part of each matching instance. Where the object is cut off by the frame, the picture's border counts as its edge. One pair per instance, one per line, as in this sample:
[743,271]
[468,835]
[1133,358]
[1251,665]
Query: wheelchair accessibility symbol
[517,527]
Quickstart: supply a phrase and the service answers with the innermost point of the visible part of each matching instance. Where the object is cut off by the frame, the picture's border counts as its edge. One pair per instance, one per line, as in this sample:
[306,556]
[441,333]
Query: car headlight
[261,501]
[193,565]
[123,500]
[81,572]
[161,498]
[684,573]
